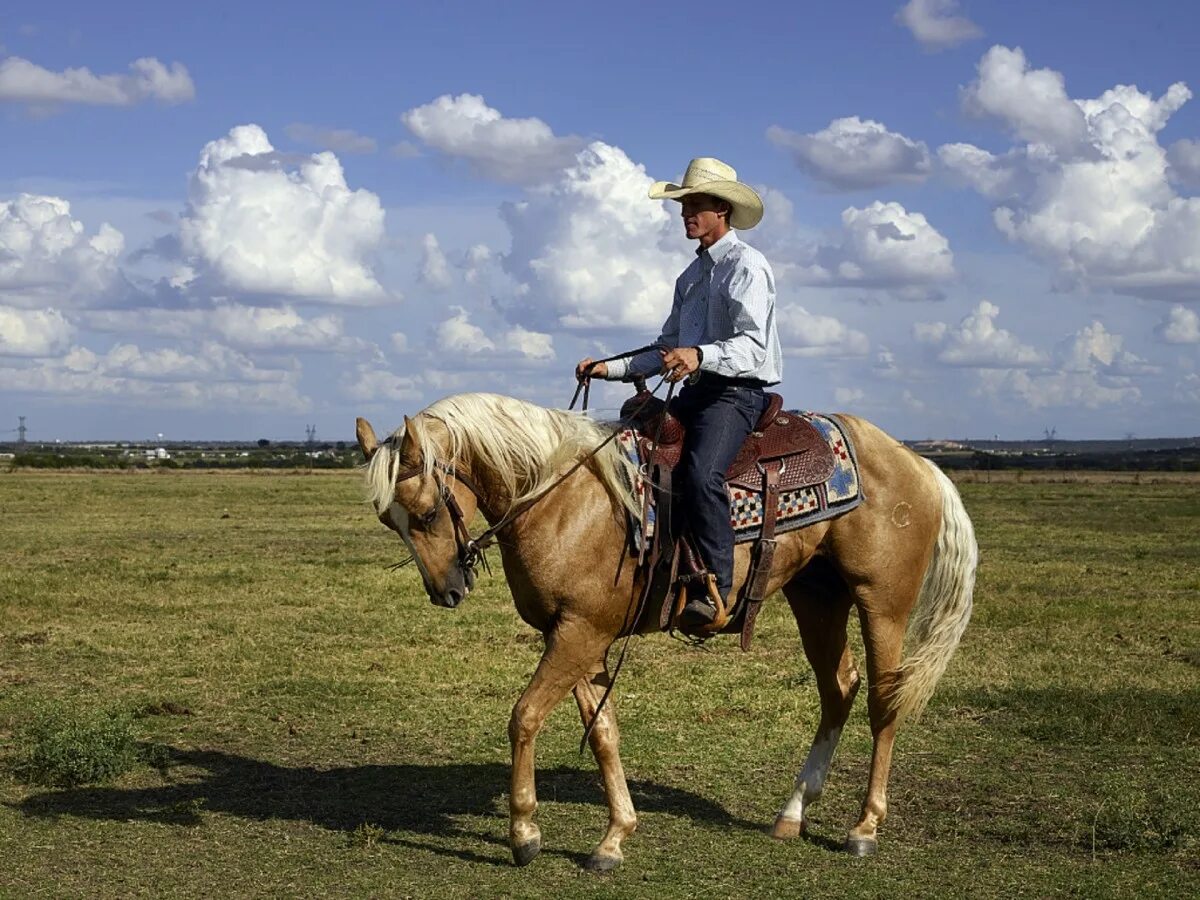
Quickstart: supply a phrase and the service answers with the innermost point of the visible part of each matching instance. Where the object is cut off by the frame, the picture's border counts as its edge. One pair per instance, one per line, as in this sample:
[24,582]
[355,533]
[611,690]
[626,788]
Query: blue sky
[295,216]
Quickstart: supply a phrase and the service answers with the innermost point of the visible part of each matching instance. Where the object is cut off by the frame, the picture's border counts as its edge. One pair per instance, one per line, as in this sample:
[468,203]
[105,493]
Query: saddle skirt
[818,471]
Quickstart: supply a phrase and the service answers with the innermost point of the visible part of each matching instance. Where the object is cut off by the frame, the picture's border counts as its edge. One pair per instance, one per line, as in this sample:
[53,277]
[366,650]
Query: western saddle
[784,452]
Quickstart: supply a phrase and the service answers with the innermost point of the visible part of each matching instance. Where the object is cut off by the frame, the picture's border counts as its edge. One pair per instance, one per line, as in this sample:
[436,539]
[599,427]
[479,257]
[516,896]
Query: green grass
[310,725]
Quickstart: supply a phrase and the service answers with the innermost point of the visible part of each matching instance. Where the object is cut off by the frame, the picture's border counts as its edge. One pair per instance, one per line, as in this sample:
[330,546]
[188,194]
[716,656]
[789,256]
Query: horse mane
[524,445]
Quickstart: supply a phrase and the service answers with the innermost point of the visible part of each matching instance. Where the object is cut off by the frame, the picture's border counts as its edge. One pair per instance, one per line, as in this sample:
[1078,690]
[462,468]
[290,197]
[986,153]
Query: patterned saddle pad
[838,494]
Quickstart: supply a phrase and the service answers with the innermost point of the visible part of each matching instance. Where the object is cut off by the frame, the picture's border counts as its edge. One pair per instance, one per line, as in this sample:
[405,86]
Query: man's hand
[598,369]
[681,362]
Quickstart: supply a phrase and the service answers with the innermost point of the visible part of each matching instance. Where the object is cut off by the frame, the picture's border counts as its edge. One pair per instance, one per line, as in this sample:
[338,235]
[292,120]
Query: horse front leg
[606,740]
[572,650]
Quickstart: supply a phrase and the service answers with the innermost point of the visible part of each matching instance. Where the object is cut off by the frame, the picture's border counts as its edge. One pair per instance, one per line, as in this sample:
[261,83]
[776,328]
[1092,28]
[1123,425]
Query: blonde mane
[526,447]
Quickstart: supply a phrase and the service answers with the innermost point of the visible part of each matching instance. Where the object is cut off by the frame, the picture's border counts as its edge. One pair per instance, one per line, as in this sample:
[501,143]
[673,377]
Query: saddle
[783,452]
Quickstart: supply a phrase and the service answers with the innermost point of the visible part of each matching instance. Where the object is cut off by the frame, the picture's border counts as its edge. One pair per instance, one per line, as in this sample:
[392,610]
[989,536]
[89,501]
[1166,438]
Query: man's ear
[367,442]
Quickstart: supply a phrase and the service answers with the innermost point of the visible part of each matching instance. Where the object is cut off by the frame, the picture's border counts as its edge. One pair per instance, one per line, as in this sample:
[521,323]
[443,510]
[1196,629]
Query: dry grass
[322,730]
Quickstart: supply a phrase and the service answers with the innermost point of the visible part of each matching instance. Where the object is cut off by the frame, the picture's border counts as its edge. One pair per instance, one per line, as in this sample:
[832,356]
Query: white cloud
[808,334]
[24,82]
[934,23]
[1089,189]
[40,332]
[1184,158]
[435,272]
[1181,326]
[1187,390]
[240,326]
[372,385]
[400,341]
[976,342]
[854,153]
[459,336]
[848,396]
[46,254]
[1090,370]
[1031,102]
[882,246]
[590,251]
[530,344]
[340,140]
[256,226]
[519,151]
[216,377]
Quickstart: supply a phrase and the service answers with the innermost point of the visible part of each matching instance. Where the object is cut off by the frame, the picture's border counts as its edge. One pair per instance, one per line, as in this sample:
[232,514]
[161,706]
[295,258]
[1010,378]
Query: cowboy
[721,337]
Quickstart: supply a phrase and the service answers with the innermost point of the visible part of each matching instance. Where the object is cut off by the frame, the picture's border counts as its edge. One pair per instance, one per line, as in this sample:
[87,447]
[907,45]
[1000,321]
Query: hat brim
[747,205]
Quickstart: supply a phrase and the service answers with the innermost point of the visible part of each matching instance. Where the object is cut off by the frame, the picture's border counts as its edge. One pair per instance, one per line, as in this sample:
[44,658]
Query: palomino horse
[905,558]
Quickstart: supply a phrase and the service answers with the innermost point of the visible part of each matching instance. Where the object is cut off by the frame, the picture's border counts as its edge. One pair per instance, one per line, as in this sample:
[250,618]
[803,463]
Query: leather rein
[471,549]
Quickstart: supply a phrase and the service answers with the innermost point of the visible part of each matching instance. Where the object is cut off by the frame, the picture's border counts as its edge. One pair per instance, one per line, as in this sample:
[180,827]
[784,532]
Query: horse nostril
[454,596]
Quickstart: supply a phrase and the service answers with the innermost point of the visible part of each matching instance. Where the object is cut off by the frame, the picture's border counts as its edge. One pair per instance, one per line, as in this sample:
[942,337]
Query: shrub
[67,746]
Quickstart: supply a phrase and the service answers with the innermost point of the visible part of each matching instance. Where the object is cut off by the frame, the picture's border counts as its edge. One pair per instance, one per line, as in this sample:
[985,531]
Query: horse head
[416,495]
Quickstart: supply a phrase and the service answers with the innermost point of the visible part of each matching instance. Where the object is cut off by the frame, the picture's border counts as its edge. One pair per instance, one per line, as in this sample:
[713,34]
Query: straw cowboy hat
[706,175]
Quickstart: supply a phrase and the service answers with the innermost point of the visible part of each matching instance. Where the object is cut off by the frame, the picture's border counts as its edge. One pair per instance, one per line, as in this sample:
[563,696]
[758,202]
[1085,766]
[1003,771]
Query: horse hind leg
[821,604]
[605,740]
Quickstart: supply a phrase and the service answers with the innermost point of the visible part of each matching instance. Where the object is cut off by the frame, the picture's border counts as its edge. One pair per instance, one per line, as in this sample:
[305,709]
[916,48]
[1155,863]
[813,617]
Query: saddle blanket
[839,494]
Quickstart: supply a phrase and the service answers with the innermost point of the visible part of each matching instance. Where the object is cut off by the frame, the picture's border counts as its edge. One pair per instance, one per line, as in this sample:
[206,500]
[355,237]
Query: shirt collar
[718,250]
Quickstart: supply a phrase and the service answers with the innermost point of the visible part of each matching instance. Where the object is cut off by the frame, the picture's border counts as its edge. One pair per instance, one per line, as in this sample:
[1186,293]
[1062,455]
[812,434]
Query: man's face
[700,216]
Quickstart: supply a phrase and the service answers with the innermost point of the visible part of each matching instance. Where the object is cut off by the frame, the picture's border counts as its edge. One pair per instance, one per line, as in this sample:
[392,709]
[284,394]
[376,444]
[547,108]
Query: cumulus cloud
[1090,369]
[239,326]
[215,377]
[934,23]
[373,385]
[1181,326]
[276,230]
[46,253]
[590,251]
[340,140]
[435,272]
[976,342]
[808,334]
[882,246]
[1184,159]
[518,151]
[460,336]
[854,153]
[1088,190]
[38,332]
[148,79]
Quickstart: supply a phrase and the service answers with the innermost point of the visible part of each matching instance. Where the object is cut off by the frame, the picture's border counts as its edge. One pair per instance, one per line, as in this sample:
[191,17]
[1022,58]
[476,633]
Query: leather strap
[764,553]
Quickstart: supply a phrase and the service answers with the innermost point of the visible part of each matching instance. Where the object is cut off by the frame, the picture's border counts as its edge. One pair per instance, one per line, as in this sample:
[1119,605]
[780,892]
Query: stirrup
[720,620]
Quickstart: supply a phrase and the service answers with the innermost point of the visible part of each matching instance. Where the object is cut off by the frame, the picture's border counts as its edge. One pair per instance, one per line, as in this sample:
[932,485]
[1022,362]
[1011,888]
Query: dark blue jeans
[718,417]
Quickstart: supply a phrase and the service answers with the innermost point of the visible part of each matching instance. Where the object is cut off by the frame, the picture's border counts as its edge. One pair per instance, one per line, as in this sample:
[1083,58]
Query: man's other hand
[679,363]
[598,369]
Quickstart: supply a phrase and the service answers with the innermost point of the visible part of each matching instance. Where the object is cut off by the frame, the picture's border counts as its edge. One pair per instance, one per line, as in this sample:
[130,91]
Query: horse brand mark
[902,514]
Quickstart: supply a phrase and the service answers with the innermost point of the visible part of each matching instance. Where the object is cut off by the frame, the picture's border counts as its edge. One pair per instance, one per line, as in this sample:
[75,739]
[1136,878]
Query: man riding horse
[721,337]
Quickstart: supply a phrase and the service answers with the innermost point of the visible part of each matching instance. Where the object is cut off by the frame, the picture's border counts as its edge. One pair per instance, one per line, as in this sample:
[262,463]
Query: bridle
[469,550]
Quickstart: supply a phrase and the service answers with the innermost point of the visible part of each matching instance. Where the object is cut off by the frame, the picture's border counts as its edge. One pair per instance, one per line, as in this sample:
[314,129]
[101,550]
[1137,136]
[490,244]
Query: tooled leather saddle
[784,452]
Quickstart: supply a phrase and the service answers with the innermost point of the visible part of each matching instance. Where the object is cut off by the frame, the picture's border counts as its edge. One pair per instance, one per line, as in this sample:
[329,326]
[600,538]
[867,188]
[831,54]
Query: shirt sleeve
[751,313]
[650,362]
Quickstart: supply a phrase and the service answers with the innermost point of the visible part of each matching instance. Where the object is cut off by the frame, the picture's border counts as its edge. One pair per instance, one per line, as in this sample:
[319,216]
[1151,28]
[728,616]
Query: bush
[66,746]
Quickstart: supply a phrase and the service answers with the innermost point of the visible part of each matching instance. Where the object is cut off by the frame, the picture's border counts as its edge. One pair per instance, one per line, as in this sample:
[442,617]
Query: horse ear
[367,441]
[410,432]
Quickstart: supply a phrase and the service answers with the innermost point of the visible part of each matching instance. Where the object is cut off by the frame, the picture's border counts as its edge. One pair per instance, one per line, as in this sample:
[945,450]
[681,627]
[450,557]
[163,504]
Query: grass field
[309,725]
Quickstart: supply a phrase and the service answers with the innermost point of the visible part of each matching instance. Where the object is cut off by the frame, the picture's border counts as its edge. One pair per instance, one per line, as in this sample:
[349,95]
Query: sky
[232,220]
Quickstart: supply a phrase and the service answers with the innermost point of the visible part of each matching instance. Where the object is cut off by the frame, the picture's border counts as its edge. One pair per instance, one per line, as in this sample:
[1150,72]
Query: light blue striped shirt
[725,305]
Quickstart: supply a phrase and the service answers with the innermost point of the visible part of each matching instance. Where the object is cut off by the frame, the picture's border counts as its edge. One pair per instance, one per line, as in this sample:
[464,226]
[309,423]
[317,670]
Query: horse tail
[943,607]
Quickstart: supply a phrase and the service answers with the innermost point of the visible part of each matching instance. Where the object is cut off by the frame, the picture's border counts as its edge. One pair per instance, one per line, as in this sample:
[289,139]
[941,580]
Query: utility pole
[310,433]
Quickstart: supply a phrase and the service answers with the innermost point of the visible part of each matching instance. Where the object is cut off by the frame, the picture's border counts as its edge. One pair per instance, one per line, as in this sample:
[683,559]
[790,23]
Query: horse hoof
[524,854]
[601,864]
[786,829]
[860,846]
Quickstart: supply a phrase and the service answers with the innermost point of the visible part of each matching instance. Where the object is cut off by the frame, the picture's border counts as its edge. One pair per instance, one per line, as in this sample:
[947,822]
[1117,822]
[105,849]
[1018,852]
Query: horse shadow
[419,806]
